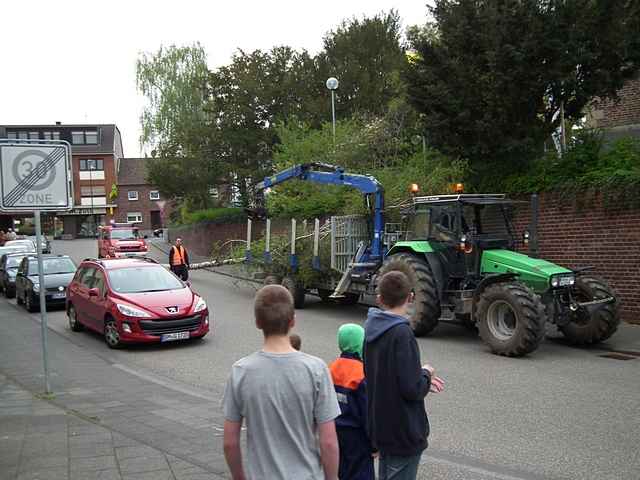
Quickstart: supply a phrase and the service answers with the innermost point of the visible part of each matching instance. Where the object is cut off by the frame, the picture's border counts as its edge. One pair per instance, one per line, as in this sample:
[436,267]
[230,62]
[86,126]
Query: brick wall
[609,113]
[605,238]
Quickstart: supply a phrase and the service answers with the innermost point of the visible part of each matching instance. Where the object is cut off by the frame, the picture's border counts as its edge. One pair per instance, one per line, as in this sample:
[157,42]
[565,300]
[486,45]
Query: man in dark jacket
[396,383]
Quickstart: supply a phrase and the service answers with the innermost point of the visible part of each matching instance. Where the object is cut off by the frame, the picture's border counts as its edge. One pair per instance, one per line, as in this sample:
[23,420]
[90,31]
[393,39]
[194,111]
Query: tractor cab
[461,227]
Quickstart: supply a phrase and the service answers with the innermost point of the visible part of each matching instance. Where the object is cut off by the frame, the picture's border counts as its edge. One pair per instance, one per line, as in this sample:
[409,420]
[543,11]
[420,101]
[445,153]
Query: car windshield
[13,262]
[143,279]
[15,249]
[15,243]
[124,234]
[52,266]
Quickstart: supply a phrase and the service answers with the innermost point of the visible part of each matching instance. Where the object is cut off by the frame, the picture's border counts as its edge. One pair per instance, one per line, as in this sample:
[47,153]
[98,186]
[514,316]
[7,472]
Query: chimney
[58,123]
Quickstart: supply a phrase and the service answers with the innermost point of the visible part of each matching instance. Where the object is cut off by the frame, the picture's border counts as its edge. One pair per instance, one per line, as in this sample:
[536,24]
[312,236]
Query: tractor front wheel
[296,289]
[511,319]
[600,325]
[424,312]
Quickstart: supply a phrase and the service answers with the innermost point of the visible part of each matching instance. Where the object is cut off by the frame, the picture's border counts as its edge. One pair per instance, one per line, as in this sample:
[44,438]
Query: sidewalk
[102,421]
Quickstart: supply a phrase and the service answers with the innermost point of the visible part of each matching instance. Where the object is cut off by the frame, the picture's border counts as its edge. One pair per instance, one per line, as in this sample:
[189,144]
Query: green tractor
[459,250]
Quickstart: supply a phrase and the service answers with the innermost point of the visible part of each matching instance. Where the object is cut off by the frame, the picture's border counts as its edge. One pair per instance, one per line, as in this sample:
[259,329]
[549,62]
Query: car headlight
[200,305]
[36,287]
[132,311]
[562,280]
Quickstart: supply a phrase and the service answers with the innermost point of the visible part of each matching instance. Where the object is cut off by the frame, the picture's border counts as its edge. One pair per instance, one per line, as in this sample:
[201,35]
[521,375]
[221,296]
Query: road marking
[479,468]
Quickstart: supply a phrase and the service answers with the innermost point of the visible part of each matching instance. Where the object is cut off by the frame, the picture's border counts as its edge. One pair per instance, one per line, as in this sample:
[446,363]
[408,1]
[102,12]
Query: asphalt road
[562,412]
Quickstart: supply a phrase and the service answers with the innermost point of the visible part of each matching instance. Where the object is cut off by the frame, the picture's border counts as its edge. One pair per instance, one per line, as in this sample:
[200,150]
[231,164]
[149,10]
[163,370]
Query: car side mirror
[94,292]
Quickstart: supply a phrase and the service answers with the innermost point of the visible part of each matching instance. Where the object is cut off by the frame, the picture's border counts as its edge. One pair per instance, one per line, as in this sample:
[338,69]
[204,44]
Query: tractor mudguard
[485,282]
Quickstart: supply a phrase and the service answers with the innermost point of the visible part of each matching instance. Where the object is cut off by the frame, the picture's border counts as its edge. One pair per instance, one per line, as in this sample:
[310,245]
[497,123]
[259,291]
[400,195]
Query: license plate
[564,281]
[56,296]
[170,337]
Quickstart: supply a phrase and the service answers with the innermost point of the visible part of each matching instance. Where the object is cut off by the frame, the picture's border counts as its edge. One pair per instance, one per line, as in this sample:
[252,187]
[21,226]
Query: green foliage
[358,149]
[588,165]
[366,56]
[214,215]
[489,77]
[175,123]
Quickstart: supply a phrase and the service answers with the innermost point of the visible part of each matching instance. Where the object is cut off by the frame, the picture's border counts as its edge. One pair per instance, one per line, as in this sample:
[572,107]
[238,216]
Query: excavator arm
[333,175]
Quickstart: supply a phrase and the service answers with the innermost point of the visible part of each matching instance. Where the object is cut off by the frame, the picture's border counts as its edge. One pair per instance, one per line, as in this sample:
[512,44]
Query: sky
[74,61]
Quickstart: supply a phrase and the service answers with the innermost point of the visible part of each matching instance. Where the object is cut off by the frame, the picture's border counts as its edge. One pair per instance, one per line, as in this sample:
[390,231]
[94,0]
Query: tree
[247,98]
[489,77]
[366,56]
[175,124]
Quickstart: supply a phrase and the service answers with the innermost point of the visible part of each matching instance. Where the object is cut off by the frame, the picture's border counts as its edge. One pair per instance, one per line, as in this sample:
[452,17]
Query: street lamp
[332,84]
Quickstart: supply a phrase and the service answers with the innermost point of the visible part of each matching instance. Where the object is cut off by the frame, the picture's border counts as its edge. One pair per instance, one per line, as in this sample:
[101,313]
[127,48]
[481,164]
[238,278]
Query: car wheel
[10,292]
[29,303]
[74,324]
[19,300]
[111,334]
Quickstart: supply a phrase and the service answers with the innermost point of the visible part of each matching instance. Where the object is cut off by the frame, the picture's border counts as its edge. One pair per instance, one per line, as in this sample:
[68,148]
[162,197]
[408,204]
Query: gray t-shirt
[282,397]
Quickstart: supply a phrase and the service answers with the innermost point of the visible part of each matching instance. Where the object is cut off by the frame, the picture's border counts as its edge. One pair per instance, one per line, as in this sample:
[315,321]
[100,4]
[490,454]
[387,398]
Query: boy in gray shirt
[287,399]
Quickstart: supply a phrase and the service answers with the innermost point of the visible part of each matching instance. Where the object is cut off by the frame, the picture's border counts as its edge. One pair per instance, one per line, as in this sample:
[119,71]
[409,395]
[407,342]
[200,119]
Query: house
[618,118]
[96,150]
[138,202]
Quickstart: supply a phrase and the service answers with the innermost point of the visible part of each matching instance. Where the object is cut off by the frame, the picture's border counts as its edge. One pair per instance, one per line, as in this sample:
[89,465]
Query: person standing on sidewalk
[287,399]
[396,383]
[179,260]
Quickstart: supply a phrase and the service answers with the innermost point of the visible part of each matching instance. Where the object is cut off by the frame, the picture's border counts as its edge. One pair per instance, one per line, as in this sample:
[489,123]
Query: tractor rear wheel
[511,319]
[425,309]
[296,289]
[585,328]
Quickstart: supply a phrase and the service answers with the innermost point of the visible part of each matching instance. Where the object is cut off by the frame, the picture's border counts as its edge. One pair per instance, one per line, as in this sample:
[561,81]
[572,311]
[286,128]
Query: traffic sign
[35,176]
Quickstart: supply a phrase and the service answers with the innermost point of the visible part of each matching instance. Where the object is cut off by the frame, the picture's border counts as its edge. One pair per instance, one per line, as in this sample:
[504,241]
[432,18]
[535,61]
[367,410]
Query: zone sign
[35,176]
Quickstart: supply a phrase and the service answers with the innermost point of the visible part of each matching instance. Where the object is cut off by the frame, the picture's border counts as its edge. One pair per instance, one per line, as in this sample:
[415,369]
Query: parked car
[25,243]
[9,263]
[45,244]
[134,300]
[120,240]
[58,272]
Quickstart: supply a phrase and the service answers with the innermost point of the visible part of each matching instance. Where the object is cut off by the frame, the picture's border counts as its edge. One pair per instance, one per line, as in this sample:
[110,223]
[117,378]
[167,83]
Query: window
[132,195]
[98,282]
[91,164]
[22,135]
[93,191]
[51,135]
[154,195]
[12,135]
[134,217]
[77,138]
[34,135]
[91,137]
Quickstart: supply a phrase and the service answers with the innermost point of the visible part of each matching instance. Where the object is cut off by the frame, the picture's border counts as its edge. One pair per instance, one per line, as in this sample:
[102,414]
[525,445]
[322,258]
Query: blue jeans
[398,468]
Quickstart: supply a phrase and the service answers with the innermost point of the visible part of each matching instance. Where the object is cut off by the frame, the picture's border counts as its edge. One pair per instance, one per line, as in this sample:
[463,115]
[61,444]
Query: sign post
[34,177]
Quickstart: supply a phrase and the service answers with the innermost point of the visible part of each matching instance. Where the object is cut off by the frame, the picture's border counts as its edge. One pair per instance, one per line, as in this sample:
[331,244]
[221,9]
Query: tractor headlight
[562,280]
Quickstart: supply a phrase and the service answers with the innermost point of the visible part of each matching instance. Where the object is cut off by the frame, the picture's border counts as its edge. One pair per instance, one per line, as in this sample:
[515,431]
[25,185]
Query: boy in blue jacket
[347,372]
[397,383]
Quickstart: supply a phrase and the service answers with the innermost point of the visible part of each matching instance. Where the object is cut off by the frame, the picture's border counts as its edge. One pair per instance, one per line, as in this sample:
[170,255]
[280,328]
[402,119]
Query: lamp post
[332,84]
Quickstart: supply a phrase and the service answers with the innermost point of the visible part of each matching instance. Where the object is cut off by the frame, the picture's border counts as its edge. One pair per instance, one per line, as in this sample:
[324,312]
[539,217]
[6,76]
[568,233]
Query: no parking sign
[35,176]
